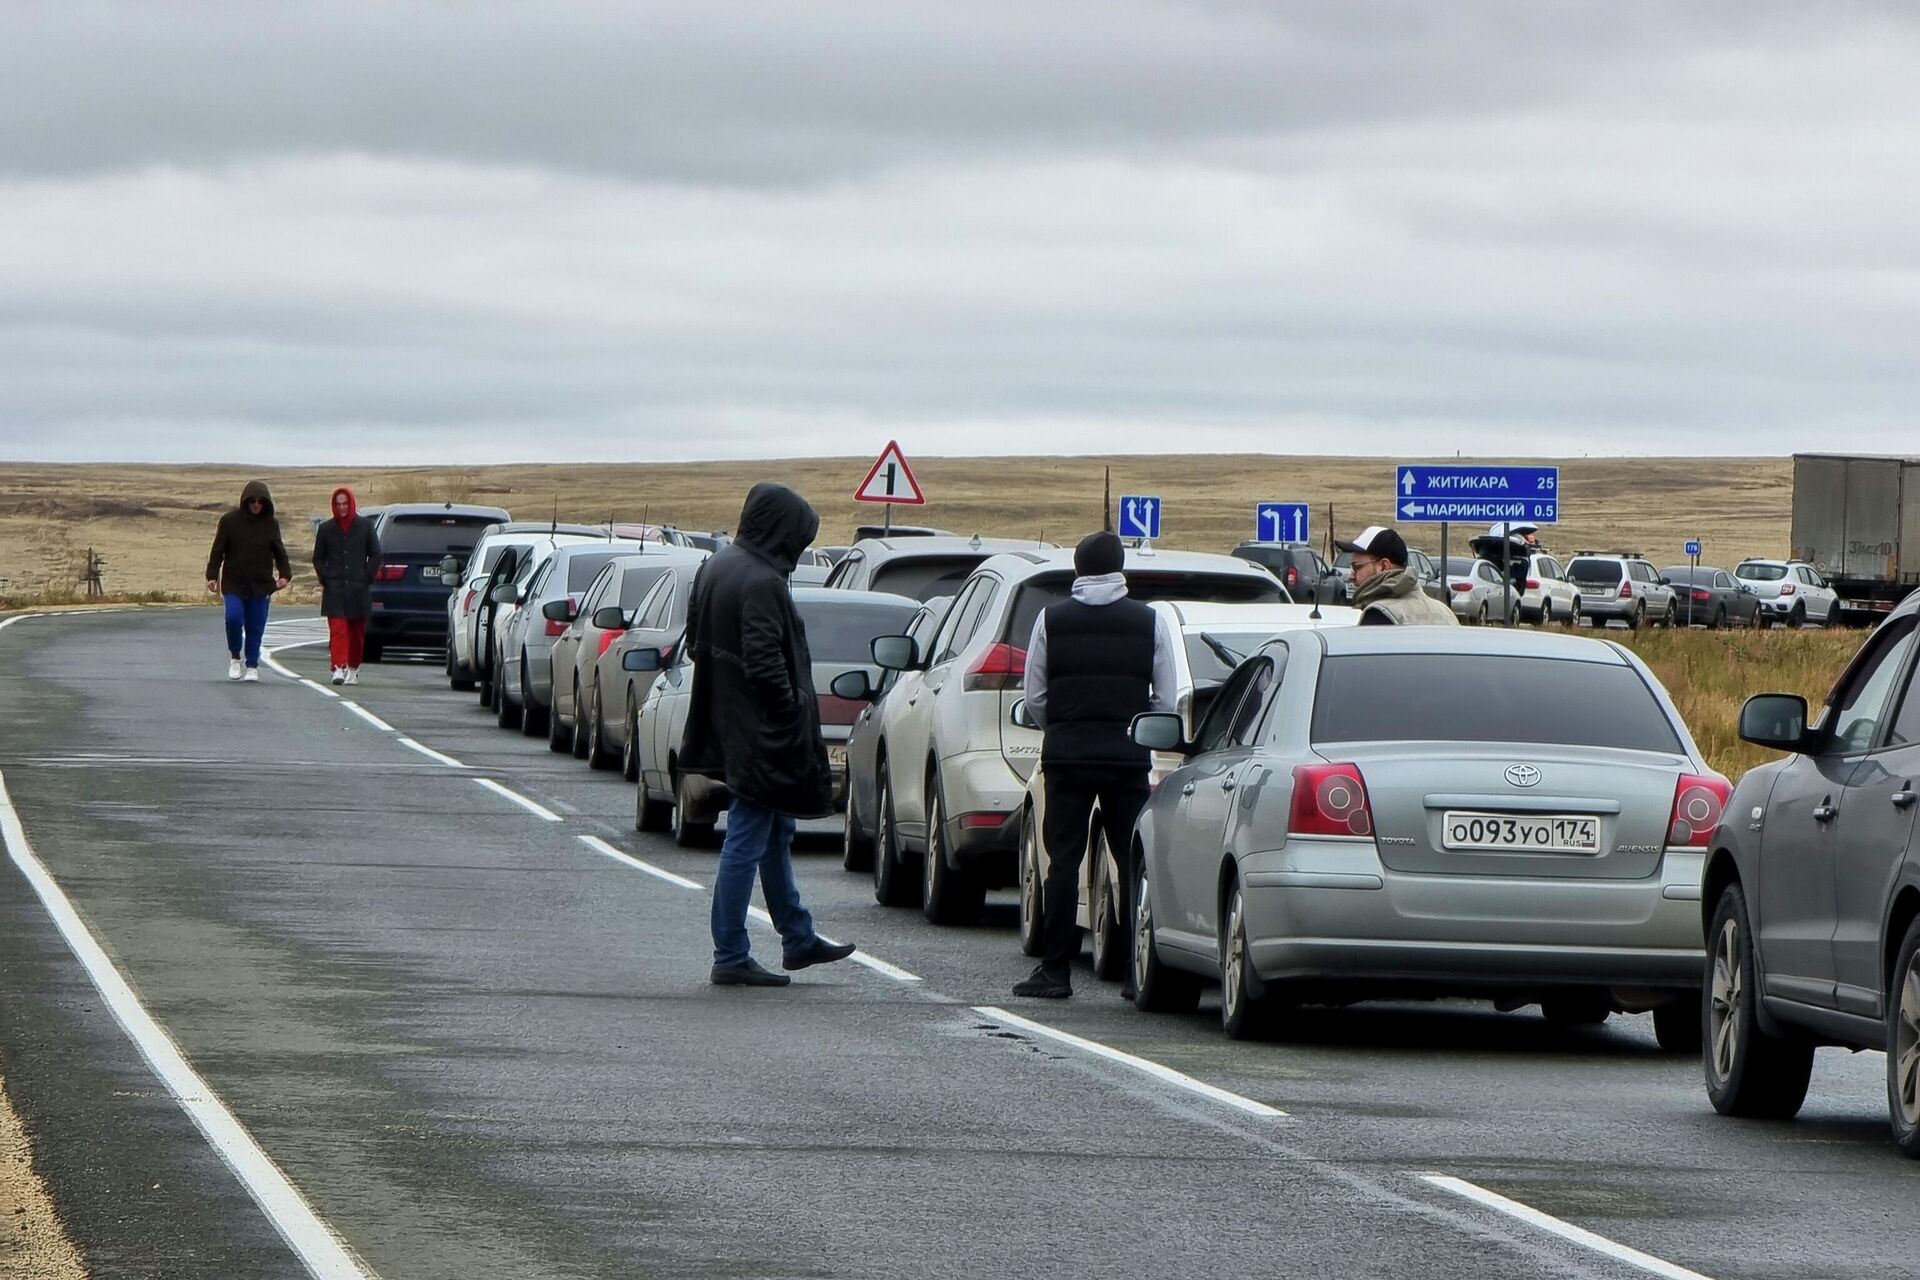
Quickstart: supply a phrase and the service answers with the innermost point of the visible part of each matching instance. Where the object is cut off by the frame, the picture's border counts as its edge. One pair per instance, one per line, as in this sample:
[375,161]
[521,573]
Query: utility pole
[91,576]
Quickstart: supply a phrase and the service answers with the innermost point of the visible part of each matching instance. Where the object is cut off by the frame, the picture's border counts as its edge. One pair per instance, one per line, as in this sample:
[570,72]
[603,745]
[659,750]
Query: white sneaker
[353,675]
[252,676]
[339,675]
[234,668]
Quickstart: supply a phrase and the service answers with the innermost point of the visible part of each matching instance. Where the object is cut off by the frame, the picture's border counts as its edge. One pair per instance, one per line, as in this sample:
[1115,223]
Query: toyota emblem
[1523,775]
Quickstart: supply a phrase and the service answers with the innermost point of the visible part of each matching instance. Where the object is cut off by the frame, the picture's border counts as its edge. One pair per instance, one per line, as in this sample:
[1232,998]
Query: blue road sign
[1432,495]
[1693,547]
[1139,517]
[1280,522]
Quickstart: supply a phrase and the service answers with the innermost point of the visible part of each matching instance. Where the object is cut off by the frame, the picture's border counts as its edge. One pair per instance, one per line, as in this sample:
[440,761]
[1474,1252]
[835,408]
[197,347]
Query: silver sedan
[1418,811]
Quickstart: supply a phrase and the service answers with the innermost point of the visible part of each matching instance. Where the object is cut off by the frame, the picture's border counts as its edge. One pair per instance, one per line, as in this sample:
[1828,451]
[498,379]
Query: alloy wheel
[1905,1049]
[1142,927]
[1032,902]
[1232,992]
[1724,1001]
[630,749]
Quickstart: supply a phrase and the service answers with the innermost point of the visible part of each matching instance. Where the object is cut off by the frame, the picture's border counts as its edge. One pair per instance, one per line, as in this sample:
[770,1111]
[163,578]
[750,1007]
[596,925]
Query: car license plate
[837,757]
[431,573]
[1597,590]
[1520,832]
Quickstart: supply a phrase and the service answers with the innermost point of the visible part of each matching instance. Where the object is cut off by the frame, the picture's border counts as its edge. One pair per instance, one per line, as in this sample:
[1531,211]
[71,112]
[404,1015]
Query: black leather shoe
[748,973]
[1043,986]
[820,952]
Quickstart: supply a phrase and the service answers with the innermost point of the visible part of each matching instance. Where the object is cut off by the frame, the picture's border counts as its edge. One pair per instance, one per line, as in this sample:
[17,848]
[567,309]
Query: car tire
[1579,1008]
[505,713]
[598,757]
[1760,622]
[1243,1014]
[579,744]
[457,678]
[893,884]
[1110,933]
[948,895]
[1679,1025]
[373,651]
[687,833]
[1033,901]
[1749,1072]
[1481,619]
[1720,619]
[1798,618]
[630,746]
[1635,618]
[559,737]
[534,718]
[1156,988]
[856,846]
[1573,615]
[1903,1044]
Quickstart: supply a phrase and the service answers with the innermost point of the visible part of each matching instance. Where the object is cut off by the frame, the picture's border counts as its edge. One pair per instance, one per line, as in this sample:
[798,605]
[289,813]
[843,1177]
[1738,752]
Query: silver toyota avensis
[1424,811]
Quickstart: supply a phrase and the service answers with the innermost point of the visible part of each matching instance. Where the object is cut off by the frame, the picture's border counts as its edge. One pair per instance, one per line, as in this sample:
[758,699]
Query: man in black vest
[1094,663]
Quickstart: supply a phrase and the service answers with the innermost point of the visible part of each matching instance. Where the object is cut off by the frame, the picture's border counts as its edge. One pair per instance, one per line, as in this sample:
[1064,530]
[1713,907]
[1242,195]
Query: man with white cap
[1386,592]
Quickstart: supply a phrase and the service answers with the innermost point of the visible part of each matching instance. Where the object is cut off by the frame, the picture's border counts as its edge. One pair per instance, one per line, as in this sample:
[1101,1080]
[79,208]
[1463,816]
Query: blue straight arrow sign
[1280,522]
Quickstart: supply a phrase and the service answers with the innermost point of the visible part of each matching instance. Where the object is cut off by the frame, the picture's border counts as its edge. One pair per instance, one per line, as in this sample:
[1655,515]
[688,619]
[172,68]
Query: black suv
[1812,894]
[1307,578]
[409,593]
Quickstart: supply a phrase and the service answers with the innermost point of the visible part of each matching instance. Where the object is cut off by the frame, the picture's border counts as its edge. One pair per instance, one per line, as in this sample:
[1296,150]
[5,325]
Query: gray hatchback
[1426,811]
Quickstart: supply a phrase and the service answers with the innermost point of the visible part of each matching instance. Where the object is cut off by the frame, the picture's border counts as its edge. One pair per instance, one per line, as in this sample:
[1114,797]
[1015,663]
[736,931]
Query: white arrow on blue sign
[1139,517]
[1438,494]
[1280,522]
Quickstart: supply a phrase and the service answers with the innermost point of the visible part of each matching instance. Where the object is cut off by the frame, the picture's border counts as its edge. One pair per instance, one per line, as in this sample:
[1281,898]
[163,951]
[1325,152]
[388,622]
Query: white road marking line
[19,617]
[598,845]
[324,1254]
[431,754]
[320,689]
[366,715]
[878,965]
[1166,1075]
[537,810]
[1565,1230]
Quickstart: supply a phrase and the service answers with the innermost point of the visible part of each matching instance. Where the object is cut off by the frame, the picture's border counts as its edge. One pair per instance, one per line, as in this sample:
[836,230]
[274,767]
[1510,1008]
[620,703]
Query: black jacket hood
[778,523]
[257,489]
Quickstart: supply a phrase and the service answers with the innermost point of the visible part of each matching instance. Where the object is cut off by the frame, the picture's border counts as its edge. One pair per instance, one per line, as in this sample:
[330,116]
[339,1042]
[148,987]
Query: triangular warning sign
[891,480]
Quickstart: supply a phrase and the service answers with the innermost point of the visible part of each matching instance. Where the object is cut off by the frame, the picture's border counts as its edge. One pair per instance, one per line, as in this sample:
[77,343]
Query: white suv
[1790,591]
[951,775]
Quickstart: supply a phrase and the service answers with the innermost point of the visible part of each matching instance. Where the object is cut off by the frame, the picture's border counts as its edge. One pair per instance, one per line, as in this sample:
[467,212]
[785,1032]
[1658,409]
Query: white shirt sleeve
[1166,679]
[1036,682]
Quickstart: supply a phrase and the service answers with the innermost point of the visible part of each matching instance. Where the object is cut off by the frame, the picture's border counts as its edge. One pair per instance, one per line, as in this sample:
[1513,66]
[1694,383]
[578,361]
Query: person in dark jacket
[1094,662]
[753,720]
[346,554]
[247,565]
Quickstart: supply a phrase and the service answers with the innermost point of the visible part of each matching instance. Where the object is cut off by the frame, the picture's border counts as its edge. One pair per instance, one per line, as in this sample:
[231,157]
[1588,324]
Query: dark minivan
[409,597]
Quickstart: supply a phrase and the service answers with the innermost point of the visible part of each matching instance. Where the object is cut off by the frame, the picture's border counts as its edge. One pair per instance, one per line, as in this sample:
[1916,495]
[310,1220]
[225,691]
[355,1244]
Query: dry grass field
[153,523]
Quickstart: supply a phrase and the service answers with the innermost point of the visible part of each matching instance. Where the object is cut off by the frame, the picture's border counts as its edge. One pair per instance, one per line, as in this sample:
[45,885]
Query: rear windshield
[1037,593]
[844,631]
[582,569]
[1595,570]
[922,578]
[435,535]
[1685,573]
[637,581]
[1461,566]
[1761,572]
[1267,557]
[1459,697]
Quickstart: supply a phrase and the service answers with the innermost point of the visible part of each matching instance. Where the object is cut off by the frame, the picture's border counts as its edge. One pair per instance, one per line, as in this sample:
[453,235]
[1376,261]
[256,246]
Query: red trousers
[347,638]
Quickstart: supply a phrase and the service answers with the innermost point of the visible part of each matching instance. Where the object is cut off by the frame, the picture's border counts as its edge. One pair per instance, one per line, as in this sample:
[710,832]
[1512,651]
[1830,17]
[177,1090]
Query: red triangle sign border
[914,497]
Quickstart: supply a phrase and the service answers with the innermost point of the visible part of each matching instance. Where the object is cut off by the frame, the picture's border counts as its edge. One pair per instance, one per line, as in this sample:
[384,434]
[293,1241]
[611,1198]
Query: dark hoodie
[753,718]
[247,551]
[346,554]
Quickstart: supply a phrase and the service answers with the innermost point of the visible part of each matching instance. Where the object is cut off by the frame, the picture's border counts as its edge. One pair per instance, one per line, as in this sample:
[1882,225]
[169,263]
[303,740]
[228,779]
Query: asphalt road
[477,1045]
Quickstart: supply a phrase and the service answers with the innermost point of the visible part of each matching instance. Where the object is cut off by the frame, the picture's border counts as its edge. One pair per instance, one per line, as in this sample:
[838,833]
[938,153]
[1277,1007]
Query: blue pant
[248,614]
[758,840]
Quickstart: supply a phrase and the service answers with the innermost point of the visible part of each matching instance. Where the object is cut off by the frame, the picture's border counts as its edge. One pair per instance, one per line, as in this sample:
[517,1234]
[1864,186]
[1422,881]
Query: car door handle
[1187,790]
[1824,812]
[1228,784]
[1904,798]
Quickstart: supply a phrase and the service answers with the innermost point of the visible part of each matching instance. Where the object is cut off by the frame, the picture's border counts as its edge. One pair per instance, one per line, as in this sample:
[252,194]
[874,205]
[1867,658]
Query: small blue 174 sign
[1693,547]
[1139,517]
[1280,522]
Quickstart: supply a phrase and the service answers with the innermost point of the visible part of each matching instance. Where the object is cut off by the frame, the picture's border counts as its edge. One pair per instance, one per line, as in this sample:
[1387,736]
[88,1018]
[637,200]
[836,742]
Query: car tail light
[1702,595]
[1698,801]
[983,818]
[466,606]
[1329,800]
[1461,586]
[555,627]
[390,573]
[1001,666]
[608,637]
[1626,590]
[838,710]
[1786,588]
[1533,584]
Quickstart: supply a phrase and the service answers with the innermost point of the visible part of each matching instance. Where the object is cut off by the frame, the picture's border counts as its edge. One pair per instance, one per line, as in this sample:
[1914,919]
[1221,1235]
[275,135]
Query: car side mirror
[641,660]
[896,653]
[1020,715]
[853,686]
[610,618]
[449,565]
[1665,582]
[1159,731]
[504,593]
[558,611]
[449,578]
[1775,720]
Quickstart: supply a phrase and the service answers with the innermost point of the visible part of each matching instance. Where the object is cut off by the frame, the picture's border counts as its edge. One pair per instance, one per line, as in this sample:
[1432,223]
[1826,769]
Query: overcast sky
[472,232]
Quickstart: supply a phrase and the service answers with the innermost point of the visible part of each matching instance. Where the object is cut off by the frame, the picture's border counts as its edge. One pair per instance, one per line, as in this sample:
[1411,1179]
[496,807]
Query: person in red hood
[346,554]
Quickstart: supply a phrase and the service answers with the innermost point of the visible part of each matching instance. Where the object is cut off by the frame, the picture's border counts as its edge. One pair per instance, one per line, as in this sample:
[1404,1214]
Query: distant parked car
[1302,571]
[811,569]
[1712,597]
[659,622]
[1369,812]
[1477,592]
[1547,595]
[709,542]
[1790,591]
[409,588]
[1624,587]
[840,627]
[920,567]
[889,695]
[1424,567]
[1811,895]
[861,532]
[545,605]
[469,609]
[632,531]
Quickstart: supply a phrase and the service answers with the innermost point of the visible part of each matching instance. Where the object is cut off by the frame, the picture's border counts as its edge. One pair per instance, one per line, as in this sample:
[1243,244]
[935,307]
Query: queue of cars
[1338,813]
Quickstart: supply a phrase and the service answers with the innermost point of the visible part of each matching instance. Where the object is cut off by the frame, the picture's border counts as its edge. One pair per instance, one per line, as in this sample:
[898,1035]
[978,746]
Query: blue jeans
[248,614]
[758,840]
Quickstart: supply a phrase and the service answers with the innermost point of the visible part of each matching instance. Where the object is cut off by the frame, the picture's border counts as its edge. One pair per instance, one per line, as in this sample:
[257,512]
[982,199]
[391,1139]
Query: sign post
[891,481]
[1280,522]
[1693,556]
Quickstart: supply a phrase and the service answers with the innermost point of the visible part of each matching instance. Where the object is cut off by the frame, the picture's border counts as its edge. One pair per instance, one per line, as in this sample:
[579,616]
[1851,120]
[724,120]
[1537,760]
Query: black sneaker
[748,973]
[1043,985]
[819,951]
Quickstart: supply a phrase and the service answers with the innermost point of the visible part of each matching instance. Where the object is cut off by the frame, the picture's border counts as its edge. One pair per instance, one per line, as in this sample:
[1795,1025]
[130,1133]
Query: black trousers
[1071,796]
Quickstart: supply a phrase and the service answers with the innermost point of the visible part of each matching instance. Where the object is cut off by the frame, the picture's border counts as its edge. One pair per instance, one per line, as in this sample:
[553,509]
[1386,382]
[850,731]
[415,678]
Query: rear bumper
[405,625]
[982,785]
[1609,606]
[1330,910]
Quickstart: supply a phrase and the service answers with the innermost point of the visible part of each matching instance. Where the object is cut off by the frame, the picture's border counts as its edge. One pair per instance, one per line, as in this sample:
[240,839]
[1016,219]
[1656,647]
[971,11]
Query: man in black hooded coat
[753,721]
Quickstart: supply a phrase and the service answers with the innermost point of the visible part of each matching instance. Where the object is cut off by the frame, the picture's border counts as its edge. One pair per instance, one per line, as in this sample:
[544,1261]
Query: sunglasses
[256,502]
